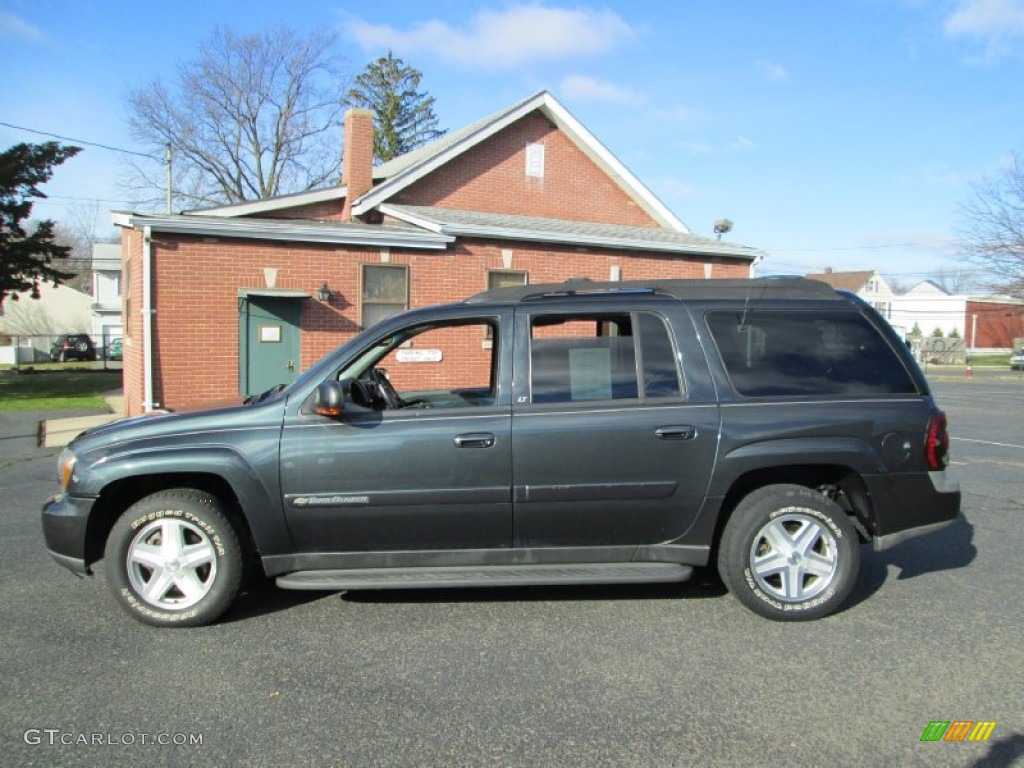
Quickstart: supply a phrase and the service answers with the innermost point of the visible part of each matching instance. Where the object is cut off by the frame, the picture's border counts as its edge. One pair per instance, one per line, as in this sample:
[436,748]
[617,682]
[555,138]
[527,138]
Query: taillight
[936,446]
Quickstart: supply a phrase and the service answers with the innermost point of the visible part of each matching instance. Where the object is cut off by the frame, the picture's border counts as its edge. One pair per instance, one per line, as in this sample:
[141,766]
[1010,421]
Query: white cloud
[771,70]
[14,26]
[583,88]
[739,144]
[680,115]
[673,188]
[512,37]
[992,22]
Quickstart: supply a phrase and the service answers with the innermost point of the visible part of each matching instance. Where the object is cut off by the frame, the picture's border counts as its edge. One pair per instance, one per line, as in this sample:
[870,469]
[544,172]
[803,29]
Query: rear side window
[580,358]
[785,353]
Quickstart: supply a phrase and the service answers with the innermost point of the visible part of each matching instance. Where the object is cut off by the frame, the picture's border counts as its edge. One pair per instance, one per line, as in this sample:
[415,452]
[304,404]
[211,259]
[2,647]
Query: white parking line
[988,442]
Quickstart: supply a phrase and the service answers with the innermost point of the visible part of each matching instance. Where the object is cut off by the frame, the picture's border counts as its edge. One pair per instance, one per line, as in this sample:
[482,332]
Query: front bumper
[65,530]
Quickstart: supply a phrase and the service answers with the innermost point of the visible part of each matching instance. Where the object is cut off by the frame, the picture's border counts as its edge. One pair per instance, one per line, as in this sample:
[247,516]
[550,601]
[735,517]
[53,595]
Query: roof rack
[762,287]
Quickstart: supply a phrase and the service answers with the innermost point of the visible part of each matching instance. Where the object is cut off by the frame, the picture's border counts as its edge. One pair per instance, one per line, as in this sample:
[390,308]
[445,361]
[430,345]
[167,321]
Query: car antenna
[746,306]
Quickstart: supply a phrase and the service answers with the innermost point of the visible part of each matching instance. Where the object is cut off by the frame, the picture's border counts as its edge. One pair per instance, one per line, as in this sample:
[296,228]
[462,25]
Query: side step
[486,576]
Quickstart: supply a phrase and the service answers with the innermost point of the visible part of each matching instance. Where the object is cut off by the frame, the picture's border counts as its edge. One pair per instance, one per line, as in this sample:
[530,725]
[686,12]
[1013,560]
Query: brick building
[234,299]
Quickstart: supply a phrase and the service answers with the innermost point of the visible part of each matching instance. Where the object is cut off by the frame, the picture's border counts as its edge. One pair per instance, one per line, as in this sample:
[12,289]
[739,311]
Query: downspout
[147,319]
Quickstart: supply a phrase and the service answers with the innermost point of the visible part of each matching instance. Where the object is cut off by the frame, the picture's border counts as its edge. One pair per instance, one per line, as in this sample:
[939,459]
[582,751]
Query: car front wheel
[789,553]
[174,559]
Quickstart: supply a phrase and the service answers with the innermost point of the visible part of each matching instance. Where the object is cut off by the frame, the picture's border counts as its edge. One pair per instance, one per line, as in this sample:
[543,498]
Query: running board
[486,576]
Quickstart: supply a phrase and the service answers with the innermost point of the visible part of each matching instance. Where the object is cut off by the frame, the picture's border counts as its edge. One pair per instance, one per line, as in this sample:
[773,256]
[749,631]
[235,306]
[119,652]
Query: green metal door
[269,342]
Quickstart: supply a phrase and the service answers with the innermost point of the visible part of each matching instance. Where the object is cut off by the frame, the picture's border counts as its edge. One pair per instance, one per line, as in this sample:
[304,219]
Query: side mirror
[330,399]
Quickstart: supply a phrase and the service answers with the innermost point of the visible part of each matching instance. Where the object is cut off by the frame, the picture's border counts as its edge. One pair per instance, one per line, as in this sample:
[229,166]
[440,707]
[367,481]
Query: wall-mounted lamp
[323,292]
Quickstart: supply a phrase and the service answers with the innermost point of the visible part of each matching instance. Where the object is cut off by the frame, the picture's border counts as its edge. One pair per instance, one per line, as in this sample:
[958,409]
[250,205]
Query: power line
[42,201]
[80,141]
[876,247]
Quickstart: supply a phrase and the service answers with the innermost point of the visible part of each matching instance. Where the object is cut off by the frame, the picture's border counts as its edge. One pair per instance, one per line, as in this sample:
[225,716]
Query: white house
[32,324]
[106,293]
[929,307]
[987,323]
[867,284]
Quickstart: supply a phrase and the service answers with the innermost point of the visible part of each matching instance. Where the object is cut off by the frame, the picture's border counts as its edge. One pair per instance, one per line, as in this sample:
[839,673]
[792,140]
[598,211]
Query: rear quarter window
[802,353]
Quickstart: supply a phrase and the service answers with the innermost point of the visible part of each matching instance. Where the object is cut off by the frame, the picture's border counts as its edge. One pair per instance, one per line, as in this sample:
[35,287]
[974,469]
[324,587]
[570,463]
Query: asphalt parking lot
[639,676]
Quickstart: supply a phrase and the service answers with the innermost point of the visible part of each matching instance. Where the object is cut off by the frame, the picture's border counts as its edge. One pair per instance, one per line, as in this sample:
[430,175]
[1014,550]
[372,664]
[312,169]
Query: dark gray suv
[579,433]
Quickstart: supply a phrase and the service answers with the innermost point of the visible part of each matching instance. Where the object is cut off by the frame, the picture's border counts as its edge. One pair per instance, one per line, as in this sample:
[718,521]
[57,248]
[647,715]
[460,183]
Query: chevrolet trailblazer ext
[580,433]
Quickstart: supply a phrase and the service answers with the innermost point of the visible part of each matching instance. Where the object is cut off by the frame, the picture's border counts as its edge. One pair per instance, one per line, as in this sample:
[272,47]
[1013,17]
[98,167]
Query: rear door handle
[475,440]
[676,433]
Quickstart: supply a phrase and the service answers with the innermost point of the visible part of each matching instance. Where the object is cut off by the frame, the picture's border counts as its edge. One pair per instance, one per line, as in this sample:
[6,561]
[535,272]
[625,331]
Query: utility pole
[167,156]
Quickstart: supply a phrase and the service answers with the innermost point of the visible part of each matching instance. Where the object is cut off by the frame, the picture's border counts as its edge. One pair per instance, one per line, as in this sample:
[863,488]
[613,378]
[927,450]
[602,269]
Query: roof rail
[764,287]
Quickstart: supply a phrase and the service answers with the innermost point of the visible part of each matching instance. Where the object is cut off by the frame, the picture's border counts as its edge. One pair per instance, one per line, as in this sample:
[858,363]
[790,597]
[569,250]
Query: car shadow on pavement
[262,598]
[704,584]
[946,550]
[1005,751]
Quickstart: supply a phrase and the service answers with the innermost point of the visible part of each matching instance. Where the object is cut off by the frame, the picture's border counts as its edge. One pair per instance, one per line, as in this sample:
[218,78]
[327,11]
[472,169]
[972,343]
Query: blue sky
[845,133]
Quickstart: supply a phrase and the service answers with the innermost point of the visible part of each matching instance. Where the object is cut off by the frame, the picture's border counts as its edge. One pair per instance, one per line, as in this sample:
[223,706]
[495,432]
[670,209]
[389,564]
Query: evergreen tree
[403,115]
[26,258]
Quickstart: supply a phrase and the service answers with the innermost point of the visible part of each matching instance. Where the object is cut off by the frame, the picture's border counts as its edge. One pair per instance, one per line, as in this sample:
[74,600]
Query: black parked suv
[73,346]
[579,433]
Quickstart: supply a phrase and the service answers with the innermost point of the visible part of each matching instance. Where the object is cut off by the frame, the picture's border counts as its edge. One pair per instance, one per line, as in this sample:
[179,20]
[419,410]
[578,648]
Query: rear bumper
[912,505]
[65,527]
[882,543]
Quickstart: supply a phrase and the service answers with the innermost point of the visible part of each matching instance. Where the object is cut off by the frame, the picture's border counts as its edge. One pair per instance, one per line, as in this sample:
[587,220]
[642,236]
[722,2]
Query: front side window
[385,292]
[583,358]
[800,353]
[439,365]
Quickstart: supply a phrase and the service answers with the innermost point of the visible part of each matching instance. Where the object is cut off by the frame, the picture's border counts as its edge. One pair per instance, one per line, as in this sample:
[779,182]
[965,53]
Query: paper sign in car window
[590,374]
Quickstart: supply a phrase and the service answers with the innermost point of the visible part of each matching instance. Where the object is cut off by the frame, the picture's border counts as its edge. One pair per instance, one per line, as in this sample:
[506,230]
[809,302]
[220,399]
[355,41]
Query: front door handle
[475,440]
[676,433]
[291,365]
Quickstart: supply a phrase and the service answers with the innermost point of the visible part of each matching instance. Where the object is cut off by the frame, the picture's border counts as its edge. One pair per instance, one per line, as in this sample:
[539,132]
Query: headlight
[65,468]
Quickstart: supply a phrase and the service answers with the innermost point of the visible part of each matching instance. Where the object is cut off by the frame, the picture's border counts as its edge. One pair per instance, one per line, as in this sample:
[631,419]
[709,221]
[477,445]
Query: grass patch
[55,390]
[1003,360]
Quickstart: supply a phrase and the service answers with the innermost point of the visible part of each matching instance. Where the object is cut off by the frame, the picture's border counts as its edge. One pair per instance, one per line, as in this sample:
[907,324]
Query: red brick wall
[196,282]
[328,210]
[491,177]
[998,324]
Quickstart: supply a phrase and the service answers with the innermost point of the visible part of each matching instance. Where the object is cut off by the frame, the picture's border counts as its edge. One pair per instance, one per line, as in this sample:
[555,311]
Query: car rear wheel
[789,553]
[174,559]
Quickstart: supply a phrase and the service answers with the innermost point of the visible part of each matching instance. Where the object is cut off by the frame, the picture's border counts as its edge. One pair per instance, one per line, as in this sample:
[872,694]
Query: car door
[607,450]
[432,475]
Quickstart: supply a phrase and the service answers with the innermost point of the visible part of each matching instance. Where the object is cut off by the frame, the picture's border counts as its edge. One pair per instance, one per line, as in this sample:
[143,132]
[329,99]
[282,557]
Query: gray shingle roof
[506,226]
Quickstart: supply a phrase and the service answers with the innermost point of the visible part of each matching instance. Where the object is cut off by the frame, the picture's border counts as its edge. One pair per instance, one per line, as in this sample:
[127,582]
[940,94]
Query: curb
[56,433]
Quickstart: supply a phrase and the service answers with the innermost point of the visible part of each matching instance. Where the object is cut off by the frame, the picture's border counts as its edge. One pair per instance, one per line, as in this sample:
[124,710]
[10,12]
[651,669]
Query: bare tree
[993,228]
[251,117]
[954,281]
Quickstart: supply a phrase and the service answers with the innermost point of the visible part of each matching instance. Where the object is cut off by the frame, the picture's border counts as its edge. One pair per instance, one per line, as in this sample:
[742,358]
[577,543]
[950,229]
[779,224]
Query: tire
[144,552]
[789,553]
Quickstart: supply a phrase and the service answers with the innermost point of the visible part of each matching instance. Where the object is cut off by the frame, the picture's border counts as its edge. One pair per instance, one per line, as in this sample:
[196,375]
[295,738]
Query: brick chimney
[357,161]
